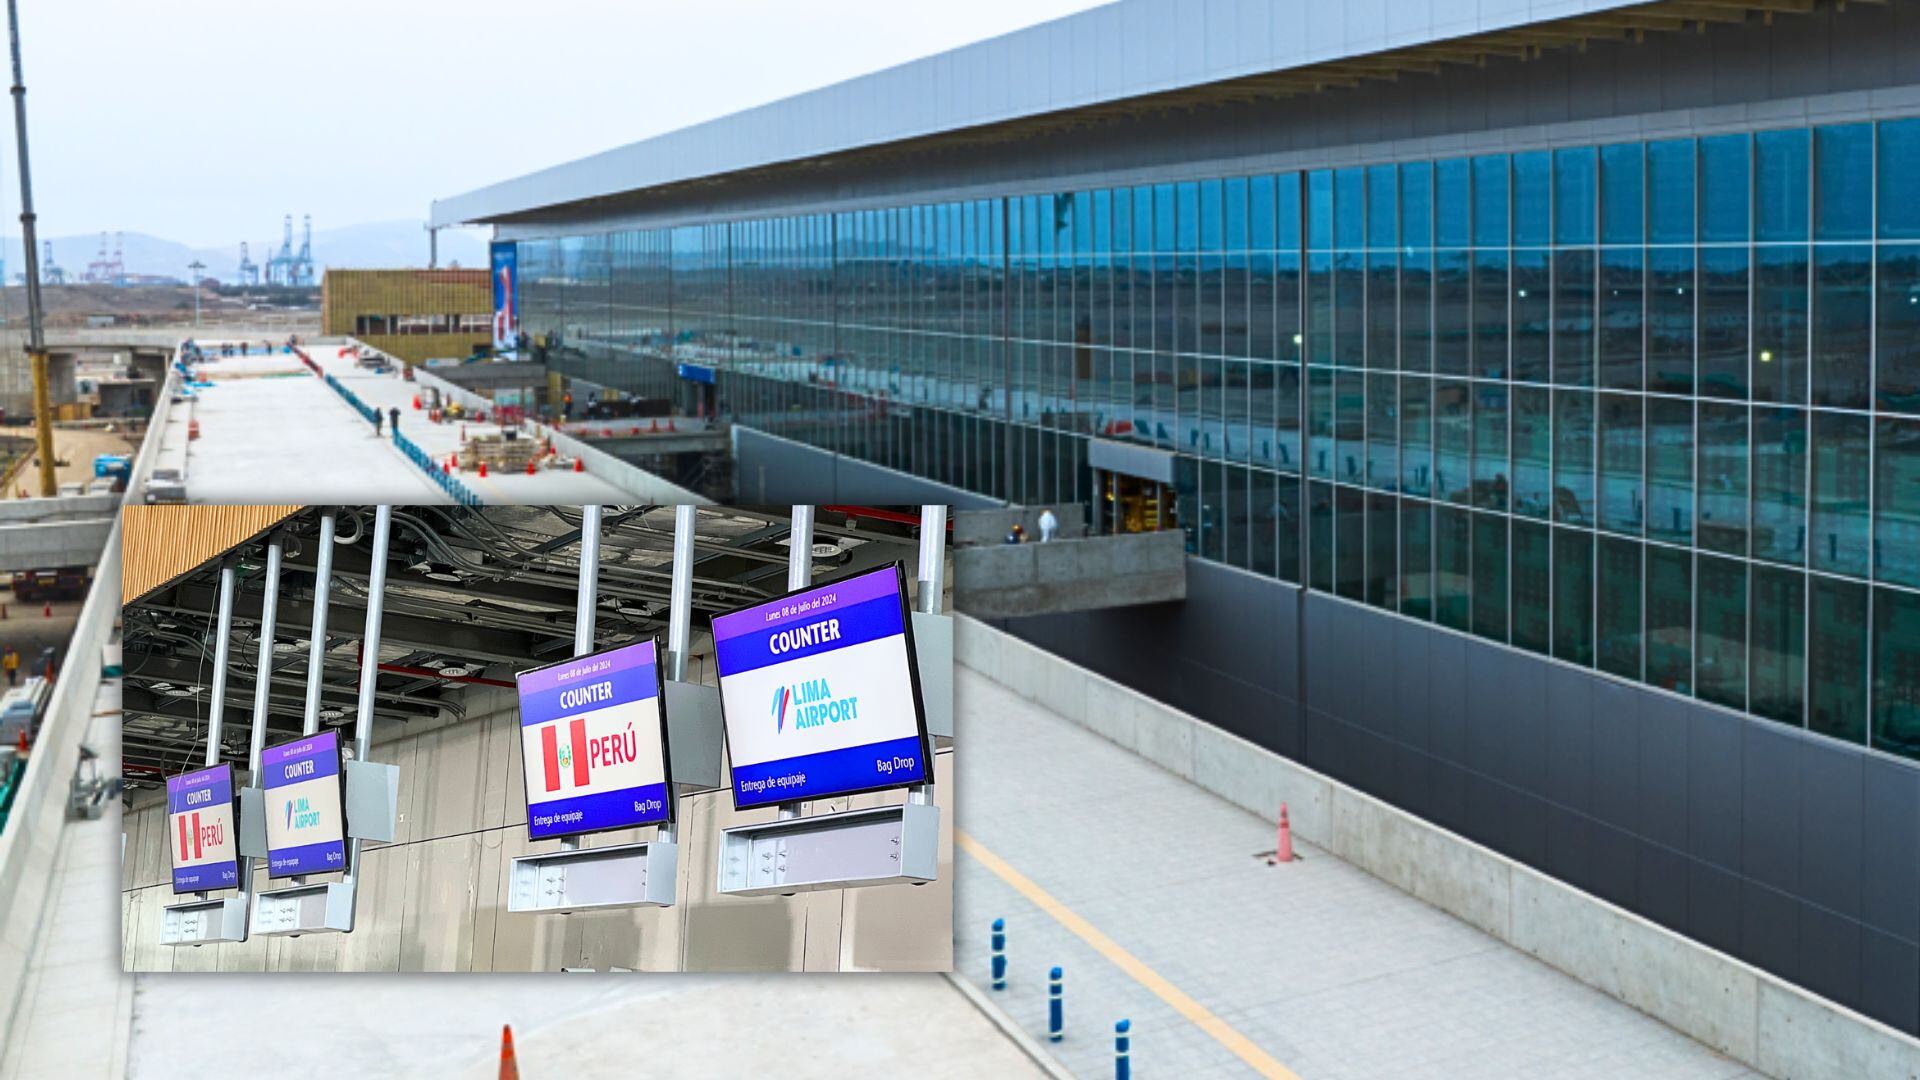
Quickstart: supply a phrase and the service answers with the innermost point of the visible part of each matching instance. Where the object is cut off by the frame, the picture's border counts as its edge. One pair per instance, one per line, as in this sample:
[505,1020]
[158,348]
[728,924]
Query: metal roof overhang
[918,107]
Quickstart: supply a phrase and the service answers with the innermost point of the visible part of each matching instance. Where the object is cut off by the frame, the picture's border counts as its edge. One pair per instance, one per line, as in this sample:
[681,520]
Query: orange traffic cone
[1283,846]
[446,467]
[509,1064]
[416,403]
[48,610]
[23,742]
[579,465]
[654,428]
[529,466]
[454,459]
[670,426]
[483,470]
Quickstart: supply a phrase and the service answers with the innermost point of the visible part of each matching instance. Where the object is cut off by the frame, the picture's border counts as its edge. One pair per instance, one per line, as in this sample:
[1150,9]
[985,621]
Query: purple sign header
[213,784]
[287,763]
[582,668]
[870,586]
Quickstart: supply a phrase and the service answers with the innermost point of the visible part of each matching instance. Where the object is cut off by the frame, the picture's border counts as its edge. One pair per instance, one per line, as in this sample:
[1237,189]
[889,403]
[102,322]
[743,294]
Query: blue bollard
[1122,1050]
[1056,1007]
[999,954]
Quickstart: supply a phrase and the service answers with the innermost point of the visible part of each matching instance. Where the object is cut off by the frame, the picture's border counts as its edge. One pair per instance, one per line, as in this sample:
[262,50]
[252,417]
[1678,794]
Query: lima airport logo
[782,697]
[301,814]
[813,705]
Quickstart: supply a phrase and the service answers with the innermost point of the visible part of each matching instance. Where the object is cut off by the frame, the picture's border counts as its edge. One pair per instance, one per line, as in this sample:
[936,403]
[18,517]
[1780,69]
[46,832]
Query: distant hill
[373,244]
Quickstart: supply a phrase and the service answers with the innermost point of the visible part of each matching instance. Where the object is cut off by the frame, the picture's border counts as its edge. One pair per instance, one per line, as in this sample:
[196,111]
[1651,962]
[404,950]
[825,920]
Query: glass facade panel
[1837,658]
[1844,207]
[1778,655]
[1623,194]
[1532,587]
[1896,671]
[1648,407]
[1617,611]
[1720,642]
[1573,596]
[1898,367]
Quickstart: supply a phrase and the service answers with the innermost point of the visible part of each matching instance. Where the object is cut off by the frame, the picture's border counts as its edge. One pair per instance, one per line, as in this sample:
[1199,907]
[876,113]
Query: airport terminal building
[1539,397]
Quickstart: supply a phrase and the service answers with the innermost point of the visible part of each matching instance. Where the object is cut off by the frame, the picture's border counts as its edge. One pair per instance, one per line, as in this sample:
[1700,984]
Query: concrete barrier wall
[30,843]
[1008,580]
[991,526]
[1751,1016]
[143,463]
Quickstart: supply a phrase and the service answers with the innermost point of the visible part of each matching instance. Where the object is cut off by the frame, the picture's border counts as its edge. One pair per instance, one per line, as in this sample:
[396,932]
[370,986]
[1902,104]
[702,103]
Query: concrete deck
[268,427]
[76,1010]
[1228,966]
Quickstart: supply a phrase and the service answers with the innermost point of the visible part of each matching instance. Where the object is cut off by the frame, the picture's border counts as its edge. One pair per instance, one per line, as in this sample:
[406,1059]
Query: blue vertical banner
[505,259]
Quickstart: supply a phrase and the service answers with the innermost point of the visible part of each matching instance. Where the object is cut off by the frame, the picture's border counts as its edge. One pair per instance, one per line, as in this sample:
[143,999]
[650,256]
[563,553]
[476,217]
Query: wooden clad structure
[160,543]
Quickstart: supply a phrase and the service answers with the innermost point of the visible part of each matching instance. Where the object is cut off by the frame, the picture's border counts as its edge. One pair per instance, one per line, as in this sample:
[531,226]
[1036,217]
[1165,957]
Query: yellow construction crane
[36,337]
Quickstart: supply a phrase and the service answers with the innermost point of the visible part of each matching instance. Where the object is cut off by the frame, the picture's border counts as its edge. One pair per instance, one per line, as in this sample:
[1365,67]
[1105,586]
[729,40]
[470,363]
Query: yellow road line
[1197,1014]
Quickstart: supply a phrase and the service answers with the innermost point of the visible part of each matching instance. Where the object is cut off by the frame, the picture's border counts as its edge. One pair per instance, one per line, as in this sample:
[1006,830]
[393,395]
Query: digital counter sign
[593,739]
[201,818]
[306,830]
[820,693]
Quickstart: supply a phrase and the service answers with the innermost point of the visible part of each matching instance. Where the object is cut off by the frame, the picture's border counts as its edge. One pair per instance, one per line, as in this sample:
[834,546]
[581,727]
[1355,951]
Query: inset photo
[537,738]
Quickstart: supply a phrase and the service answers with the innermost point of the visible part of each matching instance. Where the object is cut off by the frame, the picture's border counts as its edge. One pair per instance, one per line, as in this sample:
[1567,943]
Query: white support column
[680,594]
[800,554]
[217,702]
[799,576]
[585,603]
[679,613]
[263,667]
[317,638]
[932,573]
[369,675]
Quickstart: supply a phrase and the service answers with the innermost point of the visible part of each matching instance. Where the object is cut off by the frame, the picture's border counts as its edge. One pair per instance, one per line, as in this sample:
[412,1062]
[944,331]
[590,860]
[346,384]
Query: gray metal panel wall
[1794,853]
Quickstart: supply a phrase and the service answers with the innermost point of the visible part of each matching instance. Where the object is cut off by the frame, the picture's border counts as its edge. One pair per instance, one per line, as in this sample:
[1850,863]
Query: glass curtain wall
[1648,408]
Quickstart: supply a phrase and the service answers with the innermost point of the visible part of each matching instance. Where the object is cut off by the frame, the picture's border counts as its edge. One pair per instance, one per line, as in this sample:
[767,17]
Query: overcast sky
[205,120]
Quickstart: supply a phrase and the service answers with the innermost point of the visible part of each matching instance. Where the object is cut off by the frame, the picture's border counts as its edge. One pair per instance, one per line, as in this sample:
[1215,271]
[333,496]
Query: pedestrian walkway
[265,424]
[1152,894]
[387,391]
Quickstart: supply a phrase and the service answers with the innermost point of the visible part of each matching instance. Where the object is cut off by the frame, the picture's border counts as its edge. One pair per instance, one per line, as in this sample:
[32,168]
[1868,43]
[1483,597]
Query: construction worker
[566,406]
[11,662]
[376,421]
[394,414]
[1049,524]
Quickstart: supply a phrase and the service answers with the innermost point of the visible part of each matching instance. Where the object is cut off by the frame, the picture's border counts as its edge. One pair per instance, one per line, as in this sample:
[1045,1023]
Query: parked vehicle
[166,486]
[62,583]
